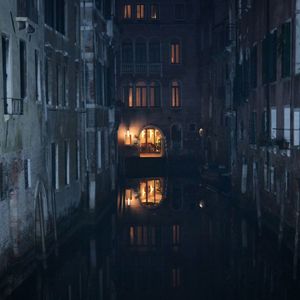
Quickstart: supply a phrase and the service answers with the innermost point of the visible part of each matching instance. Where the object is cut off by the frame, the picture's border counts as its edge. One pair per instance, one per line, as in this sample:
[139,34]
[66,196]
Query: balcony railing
[127,68]
[155,68]
[142,68]
[28,9]
[13,106]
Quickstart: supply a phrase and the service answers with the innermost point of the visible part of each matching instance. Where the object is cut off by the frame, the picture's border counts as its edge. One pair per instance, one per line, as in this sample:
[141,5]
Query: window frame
[178,94]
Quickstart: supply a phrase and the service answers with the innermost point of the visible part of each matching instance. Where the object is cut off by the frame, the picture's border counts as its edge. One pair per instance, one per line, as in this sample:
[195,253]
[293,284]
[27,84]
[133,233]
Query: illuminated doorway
[151,143]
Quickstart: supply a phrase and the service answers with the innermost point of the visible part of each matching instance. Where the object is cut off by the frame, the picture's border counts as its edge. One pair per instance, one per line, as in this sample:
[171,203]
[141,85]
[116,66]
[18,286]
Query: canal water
[166,238]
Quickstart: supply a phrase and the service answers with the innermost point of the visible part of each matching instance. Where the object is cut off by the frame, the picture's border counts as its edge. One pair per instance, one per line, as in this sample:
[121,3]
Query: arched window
[155,94]
[151,141]
[176,136]
[141,94]
[128,95]
[175,94]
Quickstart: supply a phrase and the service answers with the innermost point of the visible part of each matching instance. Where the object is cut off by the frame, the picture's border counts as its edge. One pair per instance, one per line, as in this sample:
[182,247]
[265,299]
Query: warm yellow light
[128,202]
[127,138]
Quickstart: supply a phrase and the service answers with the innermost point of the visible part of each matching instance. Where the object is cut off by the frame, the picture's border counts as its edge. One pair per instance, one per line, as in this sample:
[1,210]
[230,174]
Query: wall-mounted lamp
[127,138]
[201,132]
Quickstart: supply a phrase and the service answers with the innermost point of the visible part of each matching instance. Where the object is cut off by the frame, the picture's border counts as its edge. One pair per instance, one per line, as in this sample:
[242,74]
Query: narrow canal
[166,238]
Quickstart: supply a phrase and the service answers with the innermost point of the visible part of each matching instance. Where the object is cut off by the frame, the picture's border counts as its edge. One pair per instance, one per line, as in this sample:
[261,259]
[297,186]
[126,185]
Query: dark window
[5,67]
[53,165]
[155,92]
[55,14]
[141,52]
[99,83]
[27,173]
[154,12]
[36,73]
[254,67]
[286,50]
[1,182]
[64,86]
[179,11]
[49,12]
[60,16]
[252,136]
[47,81]
[176,137]
[23,69]
[269,57]
[127,52]
[154,52]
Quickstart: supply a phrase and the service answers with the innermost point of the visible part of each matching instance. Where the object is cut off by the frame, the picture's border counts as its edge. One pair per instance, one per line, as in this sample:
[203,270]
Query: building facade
[99,84]
[22,150]
[57,131]
[258,105]
[158,92]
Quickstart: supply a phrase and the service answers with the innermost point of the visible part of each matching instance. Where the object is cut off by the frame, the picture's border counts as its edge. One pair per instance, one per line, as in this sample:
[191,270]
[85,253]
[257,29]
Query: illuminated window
[151,141]
[128,95]
[127,11]
[175,53]
[140,11]
[141,94]
[176,94]
[154,100]
[151,192]
[154,12]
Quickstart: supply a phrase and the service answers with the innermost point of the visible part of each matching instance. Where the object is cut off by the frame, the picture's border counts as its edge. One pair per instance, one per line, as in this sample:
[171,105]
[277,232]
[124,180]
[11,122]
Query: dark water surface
[166,239]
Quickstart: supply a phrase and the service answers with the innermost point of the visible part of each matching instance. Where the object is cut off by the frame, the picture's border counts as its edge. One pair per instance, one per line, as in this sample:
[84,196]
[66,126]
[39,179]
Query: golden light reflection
[128,196]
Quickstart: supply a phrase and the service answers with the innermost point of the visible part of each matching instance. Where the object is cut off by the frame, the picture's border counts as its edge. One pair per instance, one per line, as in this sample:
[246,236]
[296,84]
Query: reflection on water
[167,239]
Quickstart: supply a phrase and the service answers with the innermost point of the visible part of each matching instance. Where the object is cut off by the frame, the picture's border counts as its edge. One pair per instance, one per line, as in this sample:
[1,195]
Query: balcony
[13,106]
[127,68]
[142,68]
[27,10]
[155,68]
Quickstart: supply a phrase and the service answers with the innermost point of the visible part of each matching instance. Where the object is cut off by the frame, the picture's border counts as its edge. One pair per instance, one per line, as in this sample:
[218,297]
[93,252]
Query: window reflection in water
[142,235]
[151,192]
[176,277]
